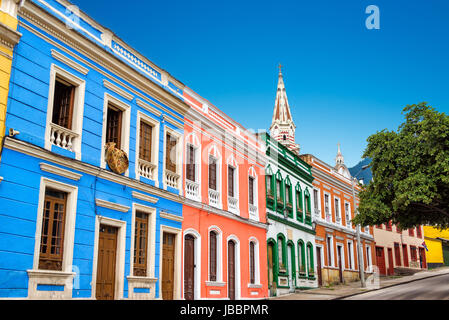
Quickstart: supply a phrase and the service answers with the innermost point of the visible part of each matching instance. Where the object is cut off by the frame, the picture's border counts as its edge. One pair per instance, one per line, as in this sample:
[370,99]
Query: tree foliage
[410,170]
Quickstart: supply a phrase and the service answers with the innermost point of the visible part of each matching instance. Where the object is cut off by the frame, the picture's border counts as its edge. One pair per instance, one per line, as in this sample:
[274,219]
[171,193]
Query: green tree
[410,170]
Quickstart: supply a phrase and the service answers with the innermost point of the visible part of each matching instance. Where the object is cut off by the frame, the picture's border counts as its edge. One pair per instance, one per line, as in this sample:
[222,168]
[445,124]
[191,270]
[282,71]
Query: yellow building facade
[437,241]
[9,37]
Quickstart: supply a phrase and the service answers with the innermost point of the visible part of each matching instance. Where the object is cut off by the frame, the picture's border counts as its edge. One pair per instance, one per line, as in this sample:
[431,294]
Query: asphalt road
[435,288]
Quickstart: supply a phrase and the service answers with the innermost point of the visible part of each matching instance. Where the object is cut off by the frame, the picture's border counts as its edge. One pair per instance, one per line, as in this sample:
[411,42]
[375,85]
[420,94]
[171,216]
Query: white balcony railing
[348,221]
[171,179]
[233,204]
[192,190]
[328,215]
[146,169]
[214,197]
[252,211]
[317,212]
[62,137]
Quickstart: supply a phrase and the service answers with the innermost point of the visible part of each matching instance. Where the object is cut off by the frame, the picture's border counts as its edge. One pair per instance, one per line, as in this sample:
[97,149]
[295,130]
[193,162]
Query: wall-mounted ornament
[116,158]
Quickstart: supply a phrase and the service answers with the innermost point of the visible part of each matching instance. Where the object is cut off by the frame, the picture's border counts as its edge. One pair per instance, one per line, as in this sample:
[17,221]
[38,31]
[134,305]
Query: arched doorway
[189,267]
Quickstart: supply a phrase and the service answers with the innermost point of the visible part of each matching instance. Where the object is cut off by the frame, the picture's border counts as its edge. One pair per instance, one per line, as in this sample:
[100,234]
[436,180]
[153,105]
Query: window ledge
[141,279]
[254,285]
[215,284]
[49,273]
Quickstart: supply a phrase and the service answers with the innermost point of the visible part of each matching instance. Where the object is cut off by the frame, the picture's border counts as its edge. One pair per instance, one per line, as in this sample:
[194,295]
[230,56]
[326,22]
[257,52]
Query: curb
[391,285]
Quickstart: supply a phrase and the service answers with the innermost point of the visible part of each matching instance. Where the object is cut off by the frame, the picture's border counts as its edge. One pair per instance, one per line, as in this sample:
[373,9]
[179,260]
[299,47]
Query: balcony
[348,221]
[233,204]
[62,137]
[192,190]
[171,179]
[337,219]
[317,212]
[252,211]
[214,198]
[328,215]
[146,169]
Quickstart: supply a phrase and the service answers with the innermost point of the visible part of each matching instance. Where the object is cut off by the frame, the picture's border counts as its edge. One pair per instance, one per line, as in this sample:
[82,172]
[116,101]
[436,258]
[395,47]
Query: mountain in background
[357,171]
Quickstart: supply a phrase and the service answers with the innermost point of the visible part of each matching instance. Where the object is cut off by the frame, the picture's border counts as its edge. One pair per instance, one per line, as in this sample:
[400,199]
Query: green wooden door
[446,254]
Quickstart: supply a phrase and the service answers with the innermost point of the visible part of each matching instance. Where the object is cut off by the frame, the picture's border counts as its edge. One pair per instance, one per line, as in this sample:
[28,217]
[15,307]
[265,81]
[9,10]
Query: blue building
[90,175]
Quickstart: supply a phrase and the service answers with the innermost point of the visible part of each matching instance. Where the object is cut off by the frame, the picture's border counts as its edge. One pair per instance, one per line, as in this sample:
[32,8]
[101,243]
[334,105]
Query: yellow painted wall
[435,253]
[5,71]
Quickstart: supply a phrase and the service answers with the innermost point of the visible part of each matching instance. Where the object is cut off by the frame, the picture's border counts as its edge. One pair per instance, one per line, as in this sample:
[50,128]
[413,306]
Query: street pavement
[435,286]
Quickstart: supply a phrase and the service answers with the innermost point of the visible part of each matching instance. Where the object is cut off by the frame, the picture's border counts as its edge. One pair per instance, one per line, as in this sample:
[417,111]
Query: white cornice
[59,171]
[149,108]
[111,205]
[172,121]
[117,90]
[9,37]
[34,151]
[144,197]
[74,65]
[170,216]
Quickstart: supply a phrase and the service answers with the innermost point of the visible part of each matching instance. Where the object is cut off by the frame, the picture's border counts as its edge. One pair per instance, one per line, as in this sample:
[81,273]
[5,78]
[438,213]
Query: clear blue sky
[344,82]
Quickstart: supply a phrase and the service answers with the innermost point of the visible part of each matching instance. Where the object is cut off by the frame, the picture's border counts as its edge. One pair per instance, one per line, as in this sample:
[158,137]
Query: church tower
[340,164]
[282,127]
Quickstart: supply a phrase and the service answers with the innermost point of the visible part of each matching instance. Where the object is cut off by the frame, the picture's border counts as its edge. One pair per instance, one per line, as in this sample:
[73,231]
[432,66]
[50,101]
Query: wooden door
[380,259]
[107,252]
[189,267]
[445,248]
[168,266]
[422,258]
[405,255]
[390,262]
[318,260]
[231,270]
[270,267]
[340,265]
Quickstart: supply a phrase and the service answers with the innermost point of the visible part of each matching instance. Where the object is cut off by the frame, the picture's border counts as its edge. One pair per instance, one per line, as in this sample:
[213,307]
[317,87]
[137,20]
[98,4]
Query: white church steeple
[282,127]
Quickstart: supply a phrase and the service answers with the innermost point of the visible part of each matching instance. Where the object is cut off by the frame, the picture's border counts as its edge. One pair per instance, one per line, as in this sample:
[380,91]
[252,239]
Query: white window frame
[343,262]
[192,140]
[231,162]
[350,245]
[368,257]
[256,283]
[219,257]
[317,215]
[126,118]
[237,265]
[330,206]
[78,107]
[332,262]
[66,275]
[213,152]
[348,222]
[337,208]
[253,174]
[154,144]
[179,156]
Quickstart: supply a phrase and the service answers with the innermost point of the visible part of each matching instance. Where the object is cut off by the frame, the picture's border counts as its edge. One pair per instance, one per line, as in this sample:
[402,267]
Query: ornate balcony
[252,211]
[233,204]
[171,179]
[192,190]
[214,198]
[146,169]
[62,137]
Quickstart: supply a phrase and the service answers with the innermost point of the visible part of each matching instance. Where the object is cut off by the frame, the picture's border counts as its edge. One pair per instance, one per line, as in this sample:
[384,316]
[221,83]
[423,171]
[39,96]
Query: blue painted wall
[19,191]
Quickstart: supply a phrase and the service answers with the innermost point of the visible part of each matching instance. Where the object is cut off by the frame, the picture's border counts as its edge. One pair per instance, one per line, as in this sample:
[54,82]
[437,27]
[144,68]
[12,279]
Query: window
[348,214]
[252,263]
[288,193]
[268,181]
[63,101]
[368,257]
[190,166]
[398,230]
[170,152]
[418,232]
[213,256]
[279,191]
[231,172]
[411,233]
[281,254]
[140,244]
[316,202]
[301,258]
[388,226]
[307,200]
[326,207]
[379,226]
[337,210]
[114,126]
[397,254]
[310,259]
[413,254]
[299,202]
[145,142]
[53,228]
[329,251]
[251,190]
[212,173]
[350,253]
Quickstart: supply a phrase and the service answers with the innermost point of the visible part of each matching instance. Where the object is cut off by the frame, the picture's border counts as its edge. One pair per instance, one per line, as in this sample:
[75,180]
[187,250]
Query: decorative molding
[111,205]
[173,122]
[9,37]
[149,108]
[319,239]
[215,284]
[170,216]
[117,90]
[254,286]
[59,171]
[144,197]
[339,238]
[74,65]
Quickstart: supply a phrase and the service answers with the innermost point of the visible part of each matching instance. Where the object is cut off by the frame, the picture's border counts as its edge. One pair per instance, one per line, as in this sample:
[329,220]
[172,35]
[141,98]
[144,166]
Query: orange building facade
[224,226]
[336,236]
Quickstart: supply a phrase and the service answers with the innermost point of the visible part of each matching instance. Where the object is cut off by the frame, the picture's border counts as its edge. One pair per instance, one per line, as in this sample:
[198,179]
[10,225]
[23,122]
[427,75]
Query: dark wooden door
[340,265]
[270,266]
[390,262]
[405,255]
[422,258]
[107,252]
[380,259]
[168,265]
[318,260]
[189,267]
[231,270]
[445,254]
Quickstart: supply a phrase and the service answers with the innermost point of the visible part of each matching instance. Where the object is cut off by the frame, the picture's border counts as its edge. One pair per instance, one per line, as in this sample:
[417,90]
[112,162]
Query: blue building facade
[71,227]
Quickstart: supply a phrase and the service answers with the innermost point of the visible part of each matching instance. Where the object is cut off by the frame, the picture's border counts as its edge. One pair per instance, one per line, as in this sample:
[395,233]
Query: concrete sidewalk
[345,290]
